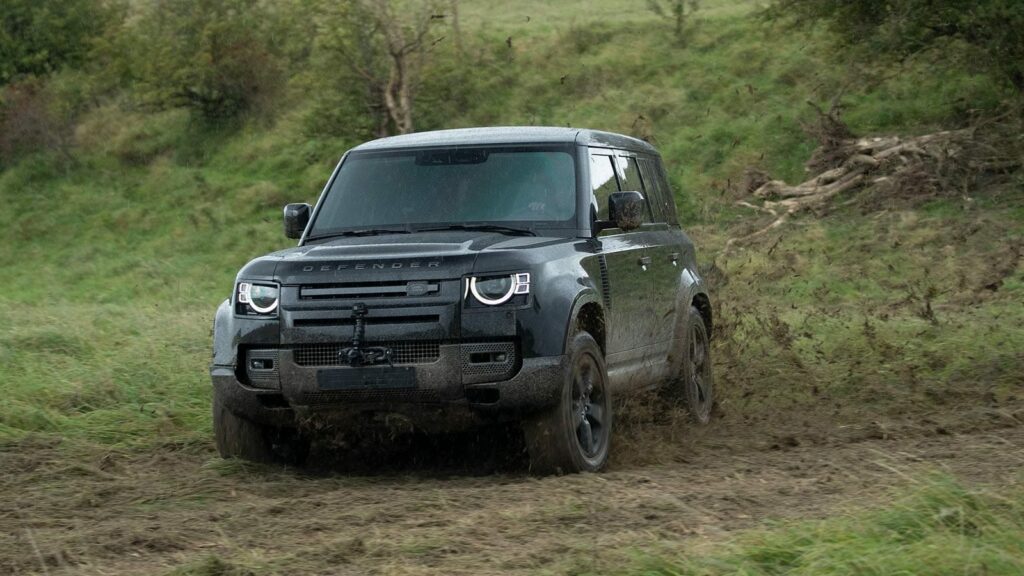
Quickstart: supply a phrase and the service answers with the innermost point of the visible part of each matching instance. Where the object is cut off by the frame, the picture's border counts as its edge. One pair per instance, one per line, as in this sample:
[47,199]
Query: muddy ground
[443,506]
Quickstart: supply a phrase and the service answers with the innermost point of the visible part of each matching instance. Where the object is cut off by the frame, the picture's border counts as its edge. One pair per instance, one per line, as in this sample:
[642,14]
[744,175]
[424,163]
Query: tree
[986,32]
[38,37]
[678,11]
[214,56]
[384,43]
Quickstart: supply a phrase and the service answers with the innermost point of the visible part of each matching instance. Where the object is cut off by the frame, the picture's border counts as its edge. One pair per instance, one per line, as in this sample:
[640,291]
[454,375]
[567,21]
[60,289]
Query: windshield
[456,185]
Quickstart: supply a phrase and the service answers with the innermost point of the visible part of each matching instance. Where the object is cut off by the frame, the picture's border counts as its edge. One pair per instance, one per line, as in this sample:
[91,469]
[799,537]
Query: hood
[419,256]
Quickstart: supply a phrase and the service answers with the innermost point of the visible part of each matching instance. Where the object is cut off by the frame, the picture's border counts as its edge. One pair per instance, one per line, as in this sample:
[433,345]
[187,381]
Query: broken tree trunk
[846,163]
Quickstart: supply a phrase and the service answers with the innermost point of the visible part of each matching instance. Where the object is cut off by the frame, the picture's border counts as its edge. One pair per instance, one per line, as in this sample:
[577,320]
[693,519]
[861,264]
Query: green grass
[113,264]
[883,316]
[885,310]
[106,374]
[940,528]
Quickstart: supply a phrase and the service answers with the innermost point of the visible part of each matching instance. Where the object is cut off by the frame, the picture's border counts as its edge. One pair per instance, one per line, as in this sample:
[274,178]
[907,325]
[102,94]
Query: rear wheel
[238,437]
[574,436]
[696,380]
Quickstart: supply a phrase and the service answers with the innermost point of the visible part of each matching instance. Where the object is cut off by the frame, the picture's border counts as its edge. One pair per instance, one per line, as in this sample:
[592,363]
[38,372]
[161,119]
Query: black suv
[454,278]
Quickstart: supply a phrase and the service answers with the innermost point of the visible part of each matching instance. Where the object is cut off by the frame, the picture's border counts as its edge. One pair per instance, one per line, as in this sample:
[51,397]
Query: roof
[509,135]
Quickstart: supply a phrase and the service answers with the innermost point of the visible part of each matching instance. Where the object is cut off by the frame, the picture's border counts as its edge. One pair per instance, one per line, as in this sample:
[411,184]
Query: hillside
[884,323]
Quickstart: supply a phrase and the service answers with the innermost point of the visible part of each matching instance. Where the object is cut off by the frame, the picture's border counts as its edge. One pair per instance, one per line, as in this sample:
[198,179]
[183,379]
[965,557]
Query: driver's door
[628,267]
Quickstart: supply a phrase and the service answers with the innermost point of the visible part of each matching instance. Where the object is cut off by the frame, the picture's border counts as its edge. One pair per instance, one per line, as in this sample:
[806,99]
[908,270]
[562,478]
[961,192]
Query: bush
[38,37]
[216,57]
[30,121]
[986,33]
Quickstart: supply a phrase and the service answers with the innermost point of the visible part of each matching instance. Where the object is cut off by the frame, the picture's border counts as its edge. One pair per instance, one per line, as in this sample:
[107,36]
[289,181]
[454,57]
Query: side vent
[606,292]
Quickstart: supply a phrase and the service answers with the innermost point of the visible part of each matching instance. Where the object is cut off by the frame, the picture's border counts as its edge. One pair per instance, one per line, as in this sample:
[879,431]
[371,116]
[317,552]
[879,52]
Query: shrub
[38,37]
[986,33]
[215,57]
[30,121]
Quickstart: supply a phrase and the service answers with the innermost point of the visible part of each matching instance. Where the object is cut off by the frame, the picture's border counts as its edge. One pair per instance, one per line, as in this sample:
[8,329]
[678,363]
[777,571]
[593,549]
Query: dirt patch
[124,512]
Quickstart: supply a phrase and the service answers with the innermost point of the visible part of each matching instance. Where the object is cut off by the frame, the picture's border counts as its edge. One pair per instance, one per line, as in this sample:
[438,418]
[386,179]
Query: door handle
[644,262]
[674,257]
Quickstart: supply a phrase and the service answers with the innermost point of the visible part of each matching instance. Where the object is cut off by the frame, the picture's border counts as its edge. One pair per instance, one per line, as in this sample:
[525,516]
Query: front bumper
[443,396]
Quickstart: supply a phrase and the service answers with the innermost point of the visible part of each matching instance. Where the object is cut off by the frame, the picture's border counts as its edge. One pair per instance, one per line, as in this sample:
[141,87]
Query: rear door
[665,248]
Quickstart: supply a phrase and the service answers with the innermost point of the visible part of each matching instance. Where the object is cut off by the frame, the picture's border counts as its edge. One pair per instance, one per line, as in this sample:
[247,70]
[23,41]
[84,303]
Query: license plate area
[367,378]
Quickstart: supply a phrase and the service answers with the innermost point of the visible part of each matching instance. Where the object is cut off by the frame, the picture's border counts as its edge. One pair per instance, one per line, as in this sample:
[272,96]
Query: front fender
[230,331]
[561,287]
[223,348]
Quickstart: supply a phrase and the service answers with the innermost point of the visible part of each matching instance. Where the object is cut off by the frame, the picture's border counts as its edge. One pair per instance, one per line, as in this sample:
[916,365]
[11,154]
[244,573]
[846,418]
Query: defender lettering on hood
[369,266]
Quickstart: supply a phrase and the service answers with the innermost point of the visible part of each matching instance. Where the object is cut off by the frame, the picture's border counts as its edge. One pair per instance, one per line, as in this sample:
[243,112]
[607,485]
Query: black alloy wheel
[575,435]
[588,406]
[238,437]
[698,381]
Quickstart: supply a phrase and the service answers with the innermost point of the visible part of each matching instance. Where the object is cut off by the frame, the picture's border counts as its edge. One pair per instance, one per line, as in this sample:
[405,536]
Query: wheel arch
[702,303]
[693,292]
[588,315]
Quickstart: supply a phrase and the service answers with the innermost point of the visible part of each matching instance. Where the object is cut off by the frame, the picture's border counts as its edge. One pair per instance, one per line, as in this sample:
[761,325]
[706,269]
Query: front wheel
[238,437]
[574,436]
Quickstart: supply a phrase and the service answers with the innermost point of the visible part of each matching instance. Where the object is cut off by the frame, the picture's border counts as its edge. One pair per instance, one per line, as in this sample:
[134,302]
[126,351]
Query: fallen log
[845,163]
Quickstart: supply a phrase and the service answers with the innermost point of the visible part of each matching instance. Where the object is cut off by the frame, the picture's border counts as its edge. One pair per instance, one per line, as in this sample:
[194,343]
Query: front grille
[425,352]
[370,290]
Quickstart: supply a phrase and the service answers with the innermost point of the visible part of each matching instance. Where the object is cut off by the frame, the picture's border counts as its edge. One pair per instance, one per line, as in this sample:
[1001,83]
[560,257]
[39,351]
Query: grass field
[941,528]
[887,318]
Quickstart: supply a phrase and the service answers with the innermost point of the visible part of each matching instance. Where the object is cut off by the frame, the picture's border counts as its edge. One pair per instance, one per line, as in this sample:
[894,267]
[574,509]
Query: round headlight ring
[493,301]
[249,294]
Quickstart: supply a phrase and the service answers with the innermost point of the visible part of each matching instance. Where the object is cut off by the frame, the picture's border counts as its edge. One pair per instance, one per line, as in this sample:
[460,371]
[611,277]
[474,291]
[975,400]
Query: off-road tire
[556,439]
[696,383]
[238,437]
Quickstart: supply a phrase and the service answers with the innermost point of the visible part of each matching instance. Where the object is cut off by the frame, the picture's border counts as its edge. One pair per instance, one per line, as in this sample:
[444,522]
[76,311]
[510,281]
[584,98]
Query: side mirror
[296,216]
[626,210]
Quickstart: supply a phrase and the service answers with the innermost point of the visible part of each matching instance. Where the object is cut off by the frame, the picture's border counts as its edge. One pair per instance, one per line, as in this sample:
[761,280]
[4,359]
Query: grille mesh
[404,353]
[482,371]
[361,290]
[263,378]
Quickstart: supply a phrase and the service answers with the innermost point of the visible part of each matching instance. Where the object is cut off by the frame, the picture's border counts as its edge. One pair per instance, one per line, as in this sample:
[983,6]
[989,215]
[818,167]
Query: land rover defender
[464,277]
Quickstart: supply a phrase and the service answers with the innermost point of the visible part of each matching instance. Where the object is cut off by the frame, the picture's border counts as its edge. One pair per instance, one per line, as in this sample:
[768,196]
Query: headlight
[495,290]
[257,298]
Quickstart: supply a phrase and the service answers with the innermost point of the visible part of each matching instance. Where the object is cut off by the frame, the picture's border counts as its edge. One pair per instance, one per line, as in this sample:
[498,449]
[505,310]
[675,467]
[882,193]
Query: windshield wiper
[481,228]
[361,232]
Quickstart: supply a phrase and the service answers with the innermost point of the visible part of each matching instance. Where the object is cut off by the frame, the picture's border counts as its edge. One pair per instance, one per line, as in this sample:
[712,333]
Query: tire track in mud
[142,514]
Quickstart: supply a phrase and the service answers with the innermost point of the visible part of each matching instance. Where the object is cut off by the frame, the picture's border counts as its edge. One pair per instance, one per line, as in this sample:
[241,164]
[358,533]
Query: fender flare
[582,298]
[691,285]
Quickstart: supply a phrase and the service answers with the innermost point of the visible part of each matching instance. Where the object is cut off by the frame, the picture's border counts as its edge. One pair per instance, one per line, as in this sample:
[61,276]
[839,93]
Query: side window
[661,196]
[602,182]
[629,180]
